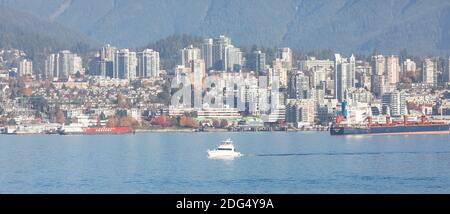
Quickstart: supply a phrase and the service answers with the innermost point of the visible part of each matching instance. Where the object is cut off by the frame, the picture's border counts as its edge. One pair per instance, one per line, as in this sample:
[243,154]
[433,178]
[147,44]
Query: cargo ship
[80,130]
[406,127]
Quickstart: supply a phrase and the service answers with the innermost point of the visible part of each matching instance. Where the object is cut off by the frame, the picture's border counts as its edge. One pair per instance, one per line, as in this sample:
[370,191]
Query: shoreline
[219,130]
[170,130]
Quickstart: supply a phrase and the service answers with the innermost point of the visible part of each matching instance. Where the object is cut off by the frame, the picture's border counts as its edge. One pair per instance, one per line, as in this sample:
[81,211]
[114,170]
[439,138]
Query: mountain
[37,37]
[419,26]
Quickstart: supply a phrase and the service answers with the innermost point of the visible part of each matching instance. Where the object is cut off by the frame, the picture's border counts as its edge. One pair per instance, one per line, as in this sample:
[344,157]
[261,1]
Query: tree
[120,113]
[216,124]
[183,121]
[27,92]
[174,121]
[163,97]
[102,116]
[78,74]
[192,123]
[3,120]
[223,123]
[111,121]
[161,121]
[121,101]
[127,121]
[60,117]
[188,122]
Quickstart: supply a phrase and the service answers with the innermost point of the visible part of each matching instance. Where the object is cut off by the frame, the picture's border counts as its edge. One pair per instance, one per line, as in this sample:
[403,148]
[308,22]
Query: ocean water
[276,162]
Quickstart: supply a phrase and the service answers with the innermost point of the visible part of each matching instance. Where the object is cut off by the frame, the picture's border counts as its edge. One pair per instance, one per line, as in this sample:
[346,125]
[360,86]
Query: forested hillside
[37,37]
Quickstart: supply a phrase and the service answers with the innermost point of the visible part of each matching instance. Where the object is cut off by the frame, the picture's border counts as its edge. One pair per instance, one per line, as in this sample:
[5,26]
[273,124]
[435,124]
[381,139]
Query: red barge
[78,130]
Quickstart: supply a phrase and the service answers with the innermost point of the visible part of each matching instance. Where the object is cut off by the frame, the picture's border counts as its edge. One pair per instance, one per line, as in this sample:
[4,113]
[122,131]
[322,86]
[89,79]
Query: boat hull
[386,130]
[222,154]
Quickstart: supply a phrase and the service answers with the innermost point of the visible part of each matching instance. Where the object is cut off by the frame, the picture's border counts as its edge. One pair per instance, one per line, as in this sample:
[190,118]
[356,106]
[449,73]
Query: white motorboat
[224,150]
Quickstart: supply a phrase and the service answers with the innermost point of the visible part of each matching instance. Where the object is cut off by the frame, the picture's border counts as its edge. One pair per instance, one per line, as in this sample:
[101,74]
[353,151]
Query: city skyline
[318,86]
[237,59]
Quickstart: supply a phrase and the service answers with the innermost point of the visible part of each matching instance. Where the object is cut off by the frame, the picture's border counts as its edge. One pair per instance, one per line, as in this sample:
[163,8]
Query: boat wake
[343,153]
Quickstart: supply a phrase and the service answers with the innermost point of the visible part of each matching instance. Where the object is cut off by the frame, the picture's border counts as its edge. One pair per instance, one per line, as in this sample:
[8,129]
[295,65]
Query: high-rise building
[378,80]
[300,111]
[232,59]
[299,86]
[106,68]
[133,66]
[285,56]
[251,96]
[280,72]
[189,54]
[360,95]
[25,68]
[218,49]
[76,65]
[207,53]
[318,76]
[183,74]
[317,93]
[51,66]
[392,69]
[107,53]
[341,82]
[225,56]
[337,61]
[429,71]
[257,62]
[344,76]
[409,66]
[364,75]
[396,101]
[148,64]
[311,62]
[102,63]
[125,63]
[378,65]
[70,63]
[99,67]
[63,64]
[351,71]
[198,69]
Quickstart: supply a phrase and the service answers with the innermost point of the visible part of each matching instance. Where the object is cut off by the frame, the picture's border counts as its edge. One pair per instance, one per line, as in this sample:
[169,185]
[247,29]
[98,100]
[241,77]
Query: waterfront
[273,162]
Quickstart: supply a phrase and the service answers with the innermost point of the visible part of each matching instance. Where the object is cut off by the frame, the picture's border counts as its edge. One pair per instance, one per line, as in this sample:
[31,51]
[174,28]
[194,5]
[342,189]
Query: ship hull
[385,130]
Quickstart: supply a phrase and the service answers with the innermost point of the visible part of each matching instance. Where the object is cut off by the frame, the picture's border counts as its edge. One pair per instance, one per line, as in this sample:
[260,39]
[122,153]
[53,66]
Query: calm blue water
[178,163]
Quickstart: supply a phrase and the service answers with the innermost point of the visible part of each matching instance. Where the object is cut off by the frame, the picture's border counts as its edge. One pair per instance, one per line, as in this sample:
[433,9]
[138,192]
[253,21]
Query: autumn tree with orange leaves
[60,117]
[127,121]
[111,121]
[188,122]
